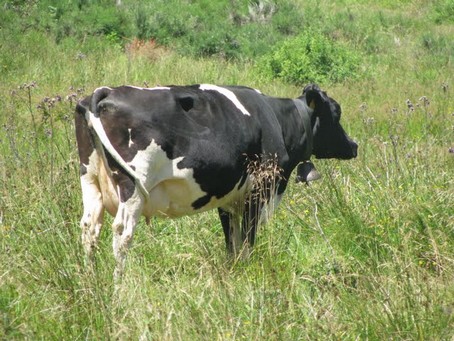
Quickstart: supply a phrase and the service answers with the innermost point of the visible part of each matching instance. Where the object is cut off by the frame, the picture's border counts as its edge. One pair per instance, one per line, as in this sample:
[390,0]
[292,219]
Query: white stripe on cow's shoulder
[149,89]
[227,93]
[101,133]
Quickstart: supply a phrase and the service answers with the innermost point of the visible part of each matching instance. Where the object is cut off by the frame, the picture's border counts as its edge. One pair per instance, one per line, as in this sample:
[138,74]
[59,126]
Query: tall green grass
[364,253]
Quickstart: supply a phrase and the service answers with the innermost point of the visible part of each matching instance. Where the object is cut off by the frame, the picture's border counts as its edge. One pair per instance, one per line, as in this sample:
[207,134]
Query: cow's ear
[186,102]
[313,95]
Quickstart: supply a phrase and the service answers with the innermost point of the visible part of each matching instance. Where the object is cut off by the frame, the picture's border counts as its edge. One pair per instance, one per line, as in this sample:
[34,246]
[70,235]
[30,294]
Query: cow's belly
[175,197]
[172,189]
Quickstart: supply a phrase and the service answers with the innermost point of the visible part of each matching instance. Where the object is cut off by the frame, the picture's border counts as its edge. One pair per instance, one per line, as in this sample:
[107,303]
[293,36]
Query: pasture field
[365,253]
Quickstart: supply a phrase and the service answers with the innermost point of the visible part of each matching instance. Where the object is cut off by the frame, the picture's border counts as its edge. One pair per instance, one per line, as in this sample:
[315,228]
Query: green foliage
[439,45]
[310,57]
[71,18]
[230,31]
[444,11]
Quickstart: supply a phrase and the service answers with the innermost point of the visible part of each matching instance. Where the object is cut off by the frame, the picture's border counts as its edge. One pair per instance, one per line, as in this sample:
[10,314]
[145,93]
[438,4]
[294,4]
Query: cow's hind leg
[126,219]
[93,214]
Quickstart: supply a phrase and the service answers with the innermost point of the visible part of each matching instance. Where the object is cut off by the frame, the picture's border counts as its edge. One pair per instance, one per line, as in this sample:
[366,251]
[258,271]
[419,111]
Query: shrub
[310,57]
[232,30]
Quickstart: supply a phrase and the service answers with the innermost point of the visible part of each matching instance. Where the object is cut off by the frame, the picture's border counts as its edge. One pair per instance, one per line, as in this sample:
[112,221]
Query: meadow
[365,253]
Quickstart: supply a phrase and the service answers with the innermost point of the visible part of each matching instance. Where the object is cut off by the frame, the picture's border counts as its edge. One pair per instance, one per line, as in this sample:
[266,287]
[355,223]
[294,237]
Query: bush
[64,19]
[310,57]
[227,29]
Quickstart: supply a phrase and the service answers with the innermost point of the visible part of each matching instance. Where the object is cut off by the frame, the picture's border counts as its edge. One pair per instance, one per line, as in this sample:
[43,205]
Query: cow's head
[330,139]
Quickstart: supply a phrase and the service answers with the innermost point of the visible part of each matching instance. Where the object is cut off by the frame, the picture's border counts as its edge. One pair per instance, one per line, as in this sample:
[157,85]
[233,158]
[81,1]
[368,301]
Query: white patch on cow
[130,139]
[227,93]
[99,175]
[149,89]
[93,190]
[124,224]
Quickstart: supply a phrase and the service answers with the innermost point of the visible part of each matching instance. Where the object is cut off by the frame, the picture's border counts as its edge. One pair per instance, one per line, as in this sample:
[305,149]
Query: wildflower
[363,107]
[369,121]
[410,105]
[27,86]
[71,97]
[425,101]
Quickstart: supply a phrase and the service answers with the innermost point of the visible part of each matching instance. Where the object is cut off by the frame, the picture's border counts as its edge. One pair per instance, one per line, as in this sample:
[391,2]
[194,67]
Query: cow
[179,150]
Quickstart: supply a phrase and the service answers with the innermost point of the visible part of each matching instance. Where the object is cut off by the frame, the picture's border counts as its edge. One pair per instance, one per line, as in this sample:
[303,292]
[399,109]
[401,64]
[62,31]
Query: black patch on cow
[85,142]
[122,178]
[97,97]
[202,201]
[187,102]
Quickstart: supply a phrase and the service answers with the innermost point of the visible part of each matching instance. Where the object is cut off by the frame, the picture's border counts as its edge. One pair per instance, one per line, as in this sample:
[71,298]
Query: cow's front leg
[249,224]
[126,219]
[93,214]
[235,236]
[250,221]
[225,218]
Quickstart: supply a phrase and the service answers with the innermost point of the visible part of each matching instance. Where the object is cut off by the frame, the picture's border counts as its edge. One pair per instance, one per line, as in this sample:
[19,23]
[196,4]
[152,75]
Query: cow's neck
[305,113]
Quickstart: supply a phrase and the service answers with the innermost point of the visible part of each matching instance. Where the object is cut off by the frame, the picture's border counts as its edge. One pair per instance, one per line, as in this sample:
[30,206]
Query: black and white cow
[180,150]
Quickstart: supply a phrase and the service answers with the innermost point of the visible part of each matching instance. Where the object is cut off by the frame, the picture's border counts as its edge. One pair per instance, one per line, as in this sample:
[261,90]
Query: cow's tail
[94,120]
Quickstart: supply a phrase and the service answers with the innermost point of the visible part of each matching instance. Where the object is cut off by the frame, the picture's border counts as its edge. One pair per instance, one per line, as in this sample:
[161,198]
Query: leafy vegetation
[364,253]
[310,57]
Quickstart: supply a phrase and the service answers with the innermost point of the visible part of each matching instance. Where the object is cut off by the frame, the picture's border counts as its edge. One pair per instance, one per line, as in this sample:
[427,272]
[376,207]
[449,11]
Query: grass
[365,253]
